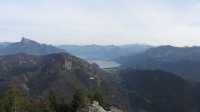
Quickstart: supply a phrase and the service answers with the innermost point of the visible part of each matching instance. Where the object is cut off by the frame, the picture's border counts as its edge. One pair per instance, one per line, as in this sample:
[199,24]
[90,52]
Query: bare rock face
[114,109]
[95,107]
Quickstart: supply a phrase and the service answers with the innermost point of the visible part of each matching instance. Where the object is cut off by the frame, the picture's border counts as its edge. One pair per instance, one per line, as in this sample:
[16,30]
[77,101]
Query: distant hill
[104,52]
[36,75]
[4,44]
[30,47]
[160,91]
[184,61]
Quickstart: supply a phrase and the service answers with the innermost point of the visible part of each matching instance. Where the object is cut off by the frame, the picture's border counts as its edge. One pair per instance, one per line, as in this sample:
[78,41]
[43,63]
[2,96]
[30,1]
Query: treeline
[13,101]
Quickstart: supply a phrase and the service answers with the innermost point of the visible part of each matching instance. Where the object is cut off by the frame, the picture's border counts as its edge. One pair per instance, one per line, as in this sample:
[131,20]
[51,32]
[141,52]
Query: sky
[155,22]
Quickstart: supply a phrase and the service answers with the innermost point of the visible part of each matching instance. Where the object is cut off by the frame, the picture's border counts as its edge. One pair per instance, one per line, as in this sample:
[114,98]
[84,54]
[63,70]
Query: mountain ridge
[104,52]
[180,60]
[36,75]
[30,47]
[160,91]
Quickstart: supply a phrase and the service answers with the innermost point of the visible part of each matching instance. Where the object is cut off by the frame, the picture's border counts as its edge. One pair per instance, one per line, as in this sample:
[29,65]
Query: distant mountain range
[28,46]
[184,61]
[105,52]
[88,51]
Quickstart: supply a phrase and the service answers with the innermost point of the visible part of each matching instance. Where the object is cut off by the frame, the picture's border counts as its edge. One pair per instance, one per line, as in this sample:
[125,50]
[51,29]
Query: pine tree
[99,97]
[78,100]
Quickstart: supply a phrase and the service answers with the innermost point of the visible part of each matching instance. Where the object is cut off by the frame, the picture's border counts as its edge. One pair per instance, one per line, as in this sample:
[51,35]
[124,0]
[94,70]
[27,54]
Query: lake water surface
[104,63]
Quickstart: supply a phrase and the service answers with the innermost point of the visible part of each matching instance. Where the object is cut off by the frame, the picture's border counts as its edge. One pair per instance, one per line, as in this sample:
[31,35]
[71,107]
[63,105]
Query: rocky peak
[95,107]
[26,41]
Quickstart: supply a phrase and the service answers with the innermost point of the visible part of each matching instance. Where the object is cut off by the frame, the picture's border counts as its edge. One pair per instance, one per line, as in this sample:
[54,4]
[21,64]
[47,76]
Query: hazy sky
[175,22]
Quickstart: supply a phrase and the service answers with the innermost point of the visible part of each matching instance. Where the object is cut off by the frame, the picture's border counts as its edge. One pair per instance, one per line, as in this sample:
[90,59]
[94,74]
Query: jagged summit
[27,41]
[29,47]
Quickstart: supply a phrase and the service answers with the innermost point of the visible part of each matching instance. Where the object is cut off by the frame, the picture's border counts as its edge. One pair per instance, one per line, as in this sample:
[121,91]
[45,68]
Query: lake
[104,63]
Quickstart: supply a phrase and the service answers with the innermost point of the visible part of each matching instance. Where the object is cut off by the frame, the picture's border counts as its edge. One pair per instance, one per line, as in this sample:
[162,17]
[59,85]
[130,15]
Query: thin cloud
[174,22]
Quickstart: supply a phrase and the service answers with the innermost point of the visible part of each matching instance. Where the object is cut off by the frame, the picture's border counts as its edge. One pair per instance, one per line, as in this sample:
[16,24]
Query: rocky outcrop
[95,107]
[114,109]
